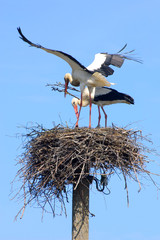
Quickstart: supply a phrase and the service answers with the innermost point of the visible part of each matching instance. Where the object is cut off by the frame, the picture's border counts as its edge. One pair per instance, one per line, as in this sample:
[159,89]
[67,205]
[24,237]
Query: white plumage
[98,61]
[91,76]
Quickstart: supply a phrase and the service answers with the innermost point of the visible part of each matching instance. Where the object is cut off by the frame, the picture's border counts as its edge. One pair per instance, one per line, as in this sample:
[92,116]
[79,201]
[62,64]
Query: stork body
[91,76]
[102,96]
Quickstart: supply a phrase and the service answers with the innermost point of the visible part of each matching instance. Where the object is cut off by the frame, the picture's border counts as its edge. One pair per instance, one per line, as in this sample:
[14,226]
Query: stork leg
[99,117]
[90,106]
[80,106]
[105,115]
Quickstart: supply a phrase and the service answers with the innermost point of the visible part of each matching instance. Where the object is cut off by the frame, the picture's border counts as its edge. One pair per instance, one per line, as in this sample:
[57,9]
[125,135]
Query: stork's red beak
[66,87]
[76,110]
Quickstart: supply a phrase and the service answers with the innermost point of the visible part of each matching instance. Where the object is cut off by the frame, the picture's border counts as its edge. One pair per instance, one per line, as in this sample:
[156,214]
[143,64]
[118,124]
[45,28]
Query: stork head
[75,102]
[67,79]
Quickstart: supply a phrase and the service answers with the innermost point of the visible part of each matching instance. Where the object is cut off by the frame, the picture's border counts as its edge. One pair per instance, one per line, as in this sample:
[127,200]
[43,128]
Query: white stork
[91,76]
[101,96]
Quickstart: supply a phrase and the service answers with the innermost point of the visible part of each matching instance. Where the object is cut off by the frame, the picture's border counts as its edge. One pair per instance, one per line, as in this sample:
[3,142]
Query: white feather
[98,61]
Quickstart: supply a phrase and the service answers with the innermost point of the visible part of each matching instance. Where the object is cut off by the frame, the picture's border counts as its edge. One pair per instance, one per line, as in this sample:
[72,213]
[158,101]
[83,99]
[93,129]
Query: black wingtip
[129,99]
[122,48]
[127,55]
[19,30]
[23,37]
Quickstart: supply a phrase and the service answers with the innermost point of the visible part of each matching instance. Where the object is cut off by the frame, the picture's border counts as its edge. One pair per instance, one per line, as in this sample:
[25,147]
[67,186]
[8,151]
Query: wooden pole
[80,211]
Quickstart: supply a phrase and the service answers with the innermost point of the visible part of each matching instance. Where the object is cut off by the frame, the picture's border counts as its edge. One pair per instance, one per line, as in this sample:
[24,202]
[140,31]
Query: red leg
[99,117]
[80,106]
[105,117]
[90,106]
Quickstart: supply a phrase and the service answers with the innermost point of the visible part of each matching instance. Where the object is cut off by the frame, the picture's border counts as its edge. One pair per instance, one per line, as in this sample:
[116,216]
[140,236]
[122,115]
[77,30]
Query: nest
[55,160]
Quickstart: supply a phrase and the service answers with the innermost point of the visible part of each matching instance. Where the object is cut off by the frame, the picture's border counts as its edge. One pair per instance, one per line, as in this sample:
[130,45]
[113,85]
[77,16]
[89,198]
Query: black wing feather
[113,95]
[60,54]
[26,40]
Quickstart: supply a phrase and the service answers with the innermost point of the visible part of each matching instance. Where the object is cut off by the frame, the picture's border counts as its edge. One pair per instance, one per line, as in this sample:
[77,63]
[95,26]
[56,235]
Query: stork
[91,76]
[101,96]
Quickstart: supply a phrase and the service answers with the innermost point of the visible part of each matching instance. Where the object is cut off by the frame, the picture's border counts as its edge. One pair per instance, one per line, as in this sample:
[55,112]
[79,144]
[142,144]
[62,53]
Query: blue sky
[81,29]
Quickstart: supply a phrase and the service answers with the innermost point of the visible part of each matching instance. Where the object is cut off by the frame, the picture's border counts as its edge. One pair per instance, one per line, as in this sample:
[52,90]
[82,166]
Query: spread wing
[102,62]
[68,58]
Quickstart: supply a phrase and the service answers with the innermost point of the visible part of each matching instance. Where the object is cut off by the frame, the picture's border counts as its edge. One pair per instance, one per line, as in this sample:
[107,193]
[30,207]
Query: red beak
[66,87]
[76,110]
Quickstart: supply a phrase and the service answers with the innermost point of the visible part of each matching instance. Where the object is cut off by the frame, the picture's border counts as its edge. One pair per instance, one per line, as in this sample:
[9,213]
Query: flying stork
[91,76]
[101,96]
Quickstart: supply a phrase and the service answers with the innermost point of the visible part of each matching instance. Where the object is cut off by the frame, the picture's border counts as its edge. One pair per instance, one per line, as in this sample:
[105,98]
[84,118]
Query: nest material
[55,159]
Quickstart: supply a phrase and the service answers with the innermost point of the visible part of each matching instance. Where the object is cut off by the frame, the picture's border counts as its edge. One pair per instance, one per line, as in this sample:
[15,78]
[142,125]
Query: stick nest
[54,160]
